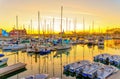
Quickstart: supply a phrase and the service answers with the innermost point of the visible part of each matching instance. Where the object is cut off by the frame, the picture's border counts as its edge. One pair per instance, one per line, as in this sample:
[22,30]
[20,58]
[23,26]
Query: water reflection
[58,53]
[53,63]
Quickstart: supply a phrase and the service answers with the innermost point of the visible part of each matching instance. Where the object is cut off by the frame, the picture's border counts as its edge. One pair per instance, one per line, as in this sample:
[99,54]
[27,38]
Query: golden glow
[101,12]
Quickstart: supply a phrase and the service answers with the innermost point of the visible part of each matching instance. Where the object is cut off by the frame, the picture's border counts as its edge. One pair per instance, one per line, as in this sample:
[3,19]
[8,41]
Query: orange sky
[104,13]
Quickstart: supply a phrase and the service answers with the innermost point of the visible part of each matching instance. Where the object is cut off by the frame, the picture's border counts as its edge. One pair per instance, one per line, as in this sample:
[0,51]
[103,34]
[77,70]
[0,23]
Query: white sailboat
[62,46]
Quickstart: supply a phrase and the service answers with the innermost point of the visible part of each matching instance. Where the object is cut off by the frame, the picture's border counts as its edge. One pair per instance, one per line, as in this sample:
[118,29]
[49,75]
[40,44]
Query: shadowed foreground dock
[115,76]
[12,68]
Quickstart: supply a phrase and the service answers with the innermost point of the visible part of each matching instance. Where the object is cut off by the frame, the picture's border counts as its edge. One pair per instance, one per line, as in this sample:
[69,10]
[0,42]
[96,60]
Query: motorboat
[73,66]
[3,61]
[37,76]
[106,71]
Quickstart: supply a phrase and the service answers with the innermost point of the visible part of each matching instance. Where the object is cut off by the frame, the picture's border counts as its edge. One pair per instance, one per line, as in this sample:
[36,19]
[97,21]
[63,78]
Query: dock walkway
[11,68]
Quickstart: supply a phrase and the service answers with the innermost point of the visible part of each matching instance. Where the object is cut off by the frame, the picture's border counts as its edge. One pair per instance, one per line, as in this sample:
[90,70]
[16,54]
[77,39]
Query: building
[16,32]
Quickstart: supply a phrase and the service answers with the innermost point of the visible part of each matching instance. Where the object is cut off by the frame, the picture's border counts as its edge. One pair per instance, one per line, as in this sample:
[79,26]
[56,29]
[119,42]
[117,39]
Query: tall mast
[17,26]
[47,28]
[23,28]
[50,28]
[44,28]
[31,26]
[83,25]
[99,30]
[93,27]
[39,24]
[66,26]
[69,25]
[53,25]
[75,27]
[29,30]
[89,31]
[61,19]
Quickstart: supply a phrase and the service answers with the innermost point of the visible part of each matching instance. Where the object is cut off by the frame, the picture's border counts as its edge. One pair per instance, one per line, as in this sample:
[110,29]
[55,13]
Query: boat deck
[115,76]
[12,68]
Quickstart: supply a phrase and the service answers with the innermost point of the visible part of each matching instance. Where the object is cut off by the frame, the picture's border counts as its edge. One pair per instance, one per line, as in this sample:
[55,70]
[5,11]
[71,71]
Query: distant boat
[63,47]
[13,47]
[101,41]
[91,41]
[101,57]
[3,61]
[1,55]
[44,51]
[37,76]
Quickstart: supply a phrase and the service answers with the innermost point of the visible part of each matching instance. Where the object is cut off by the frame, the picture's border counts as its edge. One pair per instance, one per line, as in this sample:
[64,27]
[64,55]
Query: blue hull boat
[44,52]
[1,55]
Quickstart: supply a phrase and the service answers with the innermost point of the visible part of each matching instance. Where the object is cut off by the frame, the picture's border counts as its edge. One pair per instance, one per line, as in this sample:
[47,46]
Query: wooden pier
[12,68]
[115,76]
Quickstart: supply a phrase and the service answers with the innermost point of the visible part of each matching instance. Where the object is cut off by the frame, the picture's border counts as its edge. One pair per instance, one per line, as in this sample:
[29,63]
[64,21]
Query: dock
[115,76]
[12,68]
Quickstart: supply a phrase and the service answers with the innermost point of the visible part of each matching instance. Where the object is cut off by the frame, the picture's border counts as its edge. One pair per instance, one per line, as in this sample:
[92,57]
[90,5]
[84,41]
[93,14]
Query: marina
[54,62]
[75,39]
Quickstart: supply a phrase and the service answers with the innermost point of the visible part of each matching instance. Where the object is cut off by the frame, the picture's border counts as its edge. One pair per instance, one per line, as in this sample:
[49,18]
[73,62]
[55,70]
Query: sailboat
[100,41]
[16,45]
[91,39]
[62,46]
[42,51]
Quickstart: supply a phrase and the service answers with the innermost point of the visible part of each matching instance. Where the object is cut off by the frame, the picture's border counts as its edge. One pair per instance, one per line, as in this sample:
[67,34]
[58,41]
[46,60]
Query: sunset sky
[104,13]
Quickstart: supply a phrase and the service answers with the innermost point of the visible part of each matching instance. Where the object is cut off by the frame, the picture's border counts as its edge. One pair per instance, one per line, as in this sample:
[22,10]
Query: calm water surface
[53,63]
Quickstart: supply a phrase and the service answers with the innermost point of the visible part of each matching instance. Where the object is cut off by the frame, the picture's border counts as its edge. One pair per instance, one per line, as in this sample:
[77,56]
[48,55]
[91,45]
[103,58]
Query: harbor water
[53,63]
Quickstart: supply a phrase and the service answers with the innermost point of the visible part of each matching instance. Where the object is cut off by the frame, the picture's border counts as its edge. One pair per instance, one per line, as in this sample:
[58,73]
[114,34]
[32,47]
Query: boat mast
[61,19]
[99,30]
[31,26]
[38,24]
[83,26]
[29,30]
[49,28]
[93,27]
[44,28]
[69,26]
[89,31]
[53,25]
[75,27]
[23,29]
[66,26]
[17,26]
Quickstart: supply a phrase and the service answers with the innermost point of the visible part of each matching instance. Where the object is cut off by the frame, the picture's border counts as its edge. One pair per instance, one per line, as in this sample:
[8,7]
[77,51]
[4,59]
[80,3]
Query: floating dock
[12,68]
